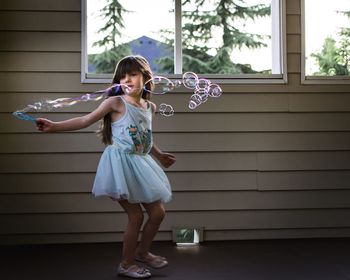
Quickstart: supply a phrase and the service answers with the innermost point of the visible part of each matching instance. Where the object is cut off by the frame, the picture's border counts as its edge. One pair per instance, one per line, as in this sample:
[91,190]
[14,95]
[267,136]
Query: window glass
[227,37]
[327,38]
[221,38]
[119,28]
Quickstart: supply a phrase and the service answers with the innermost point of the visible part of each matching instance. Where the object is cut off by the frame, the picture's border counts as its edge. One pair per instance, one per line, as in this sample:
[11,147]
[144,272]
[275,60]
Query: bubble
[126,89]
[177,83]
[156,79]
[32,107]
[195,101]
[115,89]
[161,85]
[38,105]
[59,100]
[86,97]
[202,90]
[204,97]
[189,80]
[46,105]
[203,84]
[215,90]
[97,98]
[166,110]
[58,105]
[162,107]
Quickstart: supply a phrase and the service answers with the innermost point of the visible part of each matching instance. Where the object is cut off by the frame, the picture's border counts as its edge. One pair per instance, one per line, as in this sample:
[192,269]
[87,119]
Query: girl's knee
[136,217]
[157,215]
[134,211]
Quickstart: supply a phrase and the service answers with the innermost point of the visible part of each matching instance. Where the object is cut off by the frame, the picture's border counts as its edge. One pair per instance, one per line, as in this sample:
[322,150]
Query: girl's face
[134,82]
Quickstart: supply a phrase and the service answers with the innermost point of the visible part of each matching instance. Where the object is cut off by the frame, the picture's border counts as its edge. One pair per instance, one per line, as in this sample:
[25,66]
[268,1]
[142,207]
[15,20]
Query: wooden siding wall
[263,161]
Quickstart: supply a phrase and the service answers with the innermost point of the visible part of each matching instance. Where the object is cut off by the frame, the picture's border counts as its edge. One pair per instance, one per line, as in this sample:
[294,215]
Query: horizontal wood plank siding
[49,82]
[39,62]
[40,20]
[182,201]
[87,162]
[40,5]
[209,235]
[331,102]
[81,182]
[225,220]
[261,161]
[184,142]
[214,122]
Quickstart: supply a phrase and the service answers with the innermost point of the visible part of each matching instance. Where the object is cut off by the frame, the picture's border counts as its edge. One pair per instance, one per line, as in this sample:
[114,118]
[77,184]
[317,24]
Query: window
[228,41]
[326,41]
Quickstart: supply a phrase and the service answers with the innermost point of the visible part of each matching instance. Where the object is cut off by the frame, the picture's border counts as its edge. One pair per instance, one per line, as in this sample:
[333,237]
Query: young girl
[126,172]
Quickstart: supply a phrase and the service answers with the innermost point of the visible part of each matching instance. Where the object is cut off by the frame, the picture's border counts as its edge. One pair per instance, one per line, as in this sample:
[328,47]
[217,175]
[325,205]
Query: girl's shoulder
[116,102]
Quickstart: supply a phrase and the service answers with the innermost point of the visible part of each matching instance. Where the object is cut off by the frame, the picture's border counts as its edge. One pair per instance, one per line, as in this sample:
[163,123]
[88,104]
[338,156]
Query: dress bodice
[132,133]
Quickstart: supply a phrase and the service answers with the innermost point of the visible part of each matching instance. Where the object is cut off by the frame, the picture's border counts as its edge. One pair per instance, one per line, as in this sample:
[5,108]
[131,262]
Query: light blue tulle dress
[126,170]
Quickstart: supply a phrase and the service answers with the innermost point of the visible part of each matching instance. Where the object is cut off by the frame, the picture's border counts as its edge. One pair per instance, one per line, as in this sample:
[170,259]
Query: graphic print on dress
[141,138]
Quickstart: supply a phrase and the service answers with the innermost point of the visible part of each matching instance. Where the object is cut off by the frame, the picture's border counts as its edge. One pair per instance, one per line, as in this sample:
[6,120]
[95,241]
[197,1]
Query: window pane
[227,36]
[327,37]
[134,28]
[222,37]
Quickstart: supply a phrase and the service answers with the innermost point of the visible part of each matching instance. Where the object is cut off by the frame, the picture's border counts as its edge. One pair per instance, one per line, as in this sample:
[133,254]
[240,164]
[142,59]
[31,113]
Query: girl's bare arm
[166,159]
[108,105]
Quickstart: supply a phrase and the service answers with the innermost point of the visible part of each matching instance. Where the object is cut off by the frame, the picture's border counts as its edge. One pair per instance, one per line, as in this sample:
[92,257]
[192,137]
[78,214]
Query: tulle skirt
[134,177]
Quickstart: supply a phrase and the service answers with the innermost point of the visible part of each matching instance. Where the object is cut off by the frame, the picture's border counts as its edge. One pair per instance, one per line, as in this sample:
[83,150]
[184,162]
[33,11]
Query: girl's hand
[44,125]
[166,159]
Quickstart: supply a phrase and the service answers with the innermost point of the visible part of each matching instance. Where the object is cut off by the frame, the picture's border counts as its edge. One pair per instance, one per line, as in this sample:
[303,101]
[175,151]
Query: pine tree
[328,59]
[334,57]
[200,26]
[105,62]
[344,46]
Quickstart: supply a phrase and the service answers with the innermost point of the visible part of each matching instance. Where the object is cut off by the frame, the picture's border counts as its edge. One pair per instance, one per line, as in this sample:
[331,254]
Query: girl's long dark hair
[127,65]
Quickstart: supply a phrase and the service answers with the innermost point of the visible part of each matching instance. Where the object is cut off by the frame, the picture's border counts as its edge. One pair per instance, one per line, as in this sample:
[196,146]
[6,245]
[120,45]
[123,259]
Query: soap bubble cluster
[166,110]
[202,90]
[49,105]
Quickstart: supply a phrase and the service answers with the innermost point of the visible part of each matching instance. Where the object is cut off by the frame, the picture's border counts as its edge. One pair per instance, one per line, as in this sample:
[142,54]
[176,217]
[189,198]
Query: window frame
[279,44]
[310,79]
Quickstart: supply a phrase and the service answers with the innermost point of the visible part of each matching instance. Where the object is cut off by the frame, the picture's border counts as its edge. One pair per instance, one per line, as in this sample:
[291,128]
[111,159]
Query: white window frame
[278,13]
[305,79]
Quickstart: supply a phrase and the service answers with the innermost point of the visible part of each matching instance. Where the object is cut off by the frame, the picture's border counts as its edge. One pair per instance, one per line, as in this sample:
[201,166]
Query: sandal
[134,271]
[153,261]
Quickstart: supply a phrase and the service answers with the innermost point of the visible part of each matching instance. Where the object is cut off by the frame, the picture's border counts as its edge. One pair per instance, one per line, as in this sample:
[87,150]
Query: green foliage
[334,57]
[344,48]
[221,63]
[105,62]
[224,15]
[112,12]
[199,27]
[198,61]
[328,59]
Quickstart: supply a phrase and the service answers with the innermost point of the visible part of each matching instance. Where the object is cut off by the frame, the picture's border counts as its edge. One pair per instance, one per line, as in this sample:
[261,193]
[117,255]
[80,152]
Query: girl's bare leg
[130,239]
[156,213]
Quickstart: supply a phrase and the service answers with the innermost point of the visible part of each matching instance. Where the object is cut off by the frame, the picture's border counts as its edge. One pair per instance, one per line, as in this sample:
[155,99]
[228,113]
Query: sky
[144,22]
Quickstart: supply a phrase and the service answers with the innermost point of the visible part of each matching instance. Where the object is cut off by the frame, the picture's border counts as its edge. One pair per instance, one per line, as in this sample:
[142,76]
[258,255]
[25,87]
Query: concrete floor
[292,259]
